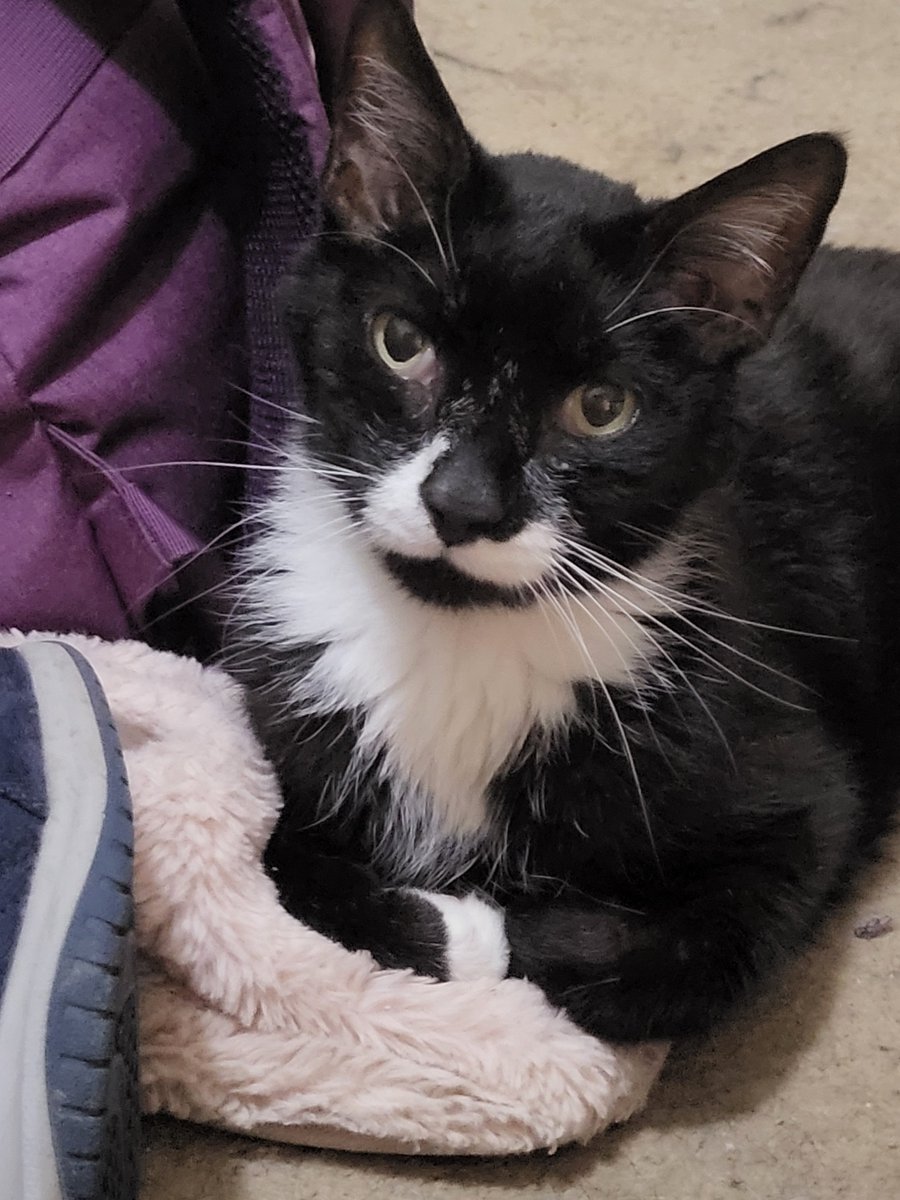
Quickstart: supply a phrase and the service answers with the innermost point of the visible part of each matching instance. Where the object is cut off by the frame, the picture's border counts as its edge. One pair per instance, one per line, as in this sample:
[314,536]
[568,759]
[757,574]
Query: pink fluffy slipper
[253,1022]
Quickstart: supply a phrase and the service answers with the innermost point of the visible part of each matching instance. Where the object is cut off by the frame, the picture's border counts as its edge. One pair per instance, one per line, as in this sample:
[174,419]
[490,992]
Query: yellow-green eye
[597,411]
[401,346]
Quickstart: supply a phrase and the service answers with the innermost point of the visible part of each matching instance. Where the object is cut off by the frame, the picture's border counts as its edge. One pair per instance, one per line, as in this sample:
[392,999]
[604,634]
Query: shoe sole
[69,1106]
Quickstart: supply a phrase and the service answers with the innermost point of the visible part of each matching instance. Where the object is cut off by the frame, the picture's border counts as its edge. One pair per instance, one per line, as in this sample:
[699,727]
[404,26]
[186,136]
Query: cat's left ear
[738,244]
[398,146]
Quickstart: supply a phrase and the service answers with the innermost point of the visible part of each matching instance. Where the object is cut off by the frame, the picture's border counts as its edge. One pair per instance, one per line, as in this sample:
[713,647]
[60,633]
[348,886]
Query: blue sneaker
[68,1035]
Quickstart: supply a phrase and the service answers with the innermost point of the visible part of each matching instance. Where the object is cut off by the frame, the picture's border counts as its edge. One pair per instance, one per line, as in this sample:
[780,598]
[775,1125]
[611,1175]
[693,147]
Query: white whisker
[390,246]
[288,412]
[199,462]
[651,670]
[706,608]
[624,574]
[595,676]
[448,230]
[672,308]
[660,648]
[370,237]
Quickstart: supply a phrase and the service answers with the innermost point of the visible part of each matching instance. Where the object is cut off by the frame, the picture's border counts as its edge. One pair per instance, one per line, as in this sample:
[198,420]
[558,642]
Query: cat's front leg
[442,936]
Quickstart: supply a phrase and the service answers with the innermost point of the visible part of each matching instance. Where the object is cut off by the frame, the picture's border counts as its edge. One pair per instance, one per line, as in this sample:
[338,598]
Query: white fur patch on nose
[395,514]
[524,558]
[398,521]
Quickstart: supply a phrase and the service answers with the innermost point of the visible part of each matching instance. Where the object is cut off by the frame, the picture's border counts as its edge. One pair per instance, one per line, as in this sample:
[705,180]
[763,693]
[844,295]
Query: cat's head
[507,357]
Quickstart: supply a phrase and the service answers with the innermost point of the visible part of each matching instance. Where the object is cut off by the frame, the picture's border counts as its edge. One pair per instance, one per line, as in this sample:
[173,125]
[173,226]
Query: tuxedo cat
[571,621]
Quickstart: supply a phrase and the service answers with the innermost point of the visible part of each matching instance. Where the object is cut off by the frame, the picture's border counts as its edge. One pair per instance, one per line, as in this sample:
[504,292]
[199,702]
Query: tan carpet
[801,1099]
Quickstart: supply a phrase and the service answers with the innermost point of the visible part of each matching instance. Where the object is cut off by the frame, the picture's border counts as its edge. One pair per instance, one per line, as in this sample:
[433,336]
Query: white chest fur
[446,698]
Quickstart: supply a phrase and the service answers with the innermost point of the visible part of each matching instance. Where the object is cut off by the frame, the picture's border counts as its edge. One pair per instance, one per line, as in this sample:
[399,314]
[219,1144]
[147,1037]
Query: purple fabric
[284,30]
[31,34]
[117,306]
[141,234]
[279,204]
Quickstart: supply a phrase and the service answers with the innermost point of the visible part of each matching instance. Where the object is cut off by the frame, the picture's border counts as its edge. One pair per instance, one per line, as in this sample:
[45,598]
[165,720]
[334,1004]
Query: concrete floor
[799,1099]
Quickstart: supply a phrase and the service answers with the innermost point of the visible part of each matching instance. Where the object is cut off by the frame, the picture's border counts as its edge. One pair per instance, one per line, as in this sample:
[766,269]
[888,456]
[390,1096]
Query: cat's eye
[597,411]
[403,347]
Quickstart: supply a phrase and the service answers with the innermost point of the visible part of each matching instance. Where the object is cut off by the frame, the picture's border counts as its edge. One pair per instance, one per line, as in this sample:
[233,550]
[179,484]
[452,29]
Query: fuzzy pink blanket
[253,1022]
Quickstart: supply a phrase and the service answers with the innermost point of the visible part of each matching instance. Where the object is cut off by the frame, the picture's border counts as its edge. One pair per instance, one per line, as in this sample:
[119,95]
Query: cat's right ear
[398,146]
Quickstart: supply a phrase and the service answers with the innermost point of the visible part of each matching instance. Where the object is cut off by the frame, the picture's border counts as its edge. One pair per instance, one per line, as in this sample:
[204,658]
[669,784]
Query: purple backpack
[158,165]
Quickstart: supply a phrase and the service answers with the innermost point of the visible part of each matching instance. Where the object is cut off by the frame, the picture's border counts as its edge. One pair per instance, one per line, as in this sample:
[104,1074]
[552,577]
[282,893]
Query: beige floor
[801,1099]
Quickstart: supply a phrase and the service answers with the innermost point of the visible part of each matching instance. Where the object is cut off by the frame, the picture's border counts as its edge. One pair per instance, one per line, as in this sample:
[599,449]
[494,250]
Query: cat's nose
[463,496]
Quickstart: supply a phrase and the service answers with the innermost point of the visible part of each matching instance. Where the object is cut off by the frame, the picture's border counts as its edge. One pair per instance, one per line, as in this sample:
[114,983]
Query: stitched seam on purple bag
[166,538]
[37,33]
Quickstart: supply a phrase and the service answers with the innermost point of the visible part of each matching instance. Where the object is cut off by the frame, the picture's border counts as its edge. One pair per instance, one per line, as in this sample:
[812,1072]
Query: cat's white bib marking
[447,698]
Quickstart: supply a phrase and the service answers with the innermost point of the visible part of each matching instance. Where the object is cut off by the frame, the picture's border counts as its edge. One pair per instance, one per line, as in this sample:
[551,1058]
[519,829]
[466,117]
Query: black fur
[767,436]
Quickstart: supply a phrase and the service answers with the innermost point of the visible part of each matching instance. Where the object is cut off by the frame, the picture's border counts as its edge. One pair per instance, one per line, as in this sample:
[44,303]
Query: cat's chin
[437,581]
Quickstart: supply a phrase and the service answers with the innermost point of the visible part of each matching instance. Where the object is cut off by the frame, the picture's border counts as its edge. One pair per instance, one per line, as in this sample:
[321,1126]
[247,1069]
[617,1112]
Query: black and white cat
[572,620]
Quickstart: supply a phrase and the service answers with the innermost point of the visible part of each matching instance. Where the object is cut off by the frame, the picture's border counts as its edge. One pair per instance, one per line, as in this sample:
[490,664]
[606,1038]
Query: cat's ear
[398,146]
[738,244]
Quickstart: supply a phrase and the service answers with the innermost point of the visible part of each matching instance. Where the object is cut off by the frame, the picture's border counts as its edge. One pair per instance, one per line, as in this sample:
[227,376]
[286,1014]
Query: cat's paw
[476,946]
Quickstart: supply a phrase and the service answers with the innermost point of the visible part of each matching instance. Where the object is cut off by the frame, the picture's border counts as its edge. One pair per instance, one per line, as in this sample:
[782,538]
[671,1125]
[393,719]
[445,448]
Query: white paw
[476,936]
